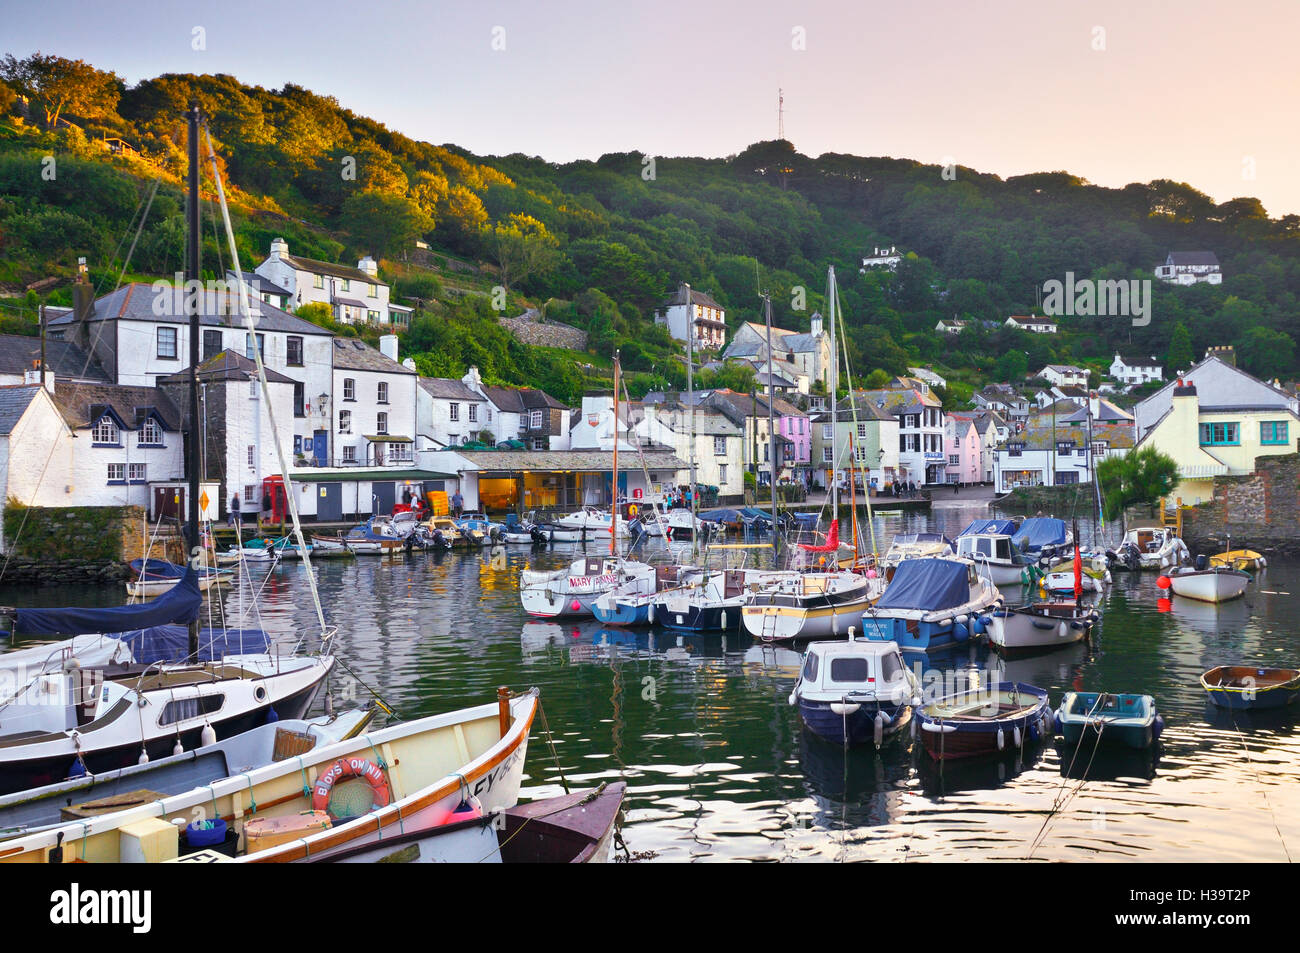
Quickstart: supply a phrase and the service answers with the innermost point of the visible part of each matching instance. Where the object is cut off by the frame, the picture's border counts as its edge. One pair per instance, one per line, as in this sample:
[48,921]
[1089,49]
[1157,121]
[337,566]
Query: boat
[1244,688]
[712,601]
[155,576]
[916,546]
[932,603]
[328,545]
[446,526]
[526,531]
[852,692]
[988,544]
[633,602]
[1094,576]
[479,530]
[1128,720]
[571,591]
[808,605]
[587,523]
[1149,545]
[376,535]
[304,808]
[1042,536]
[1205,583]
[53,804]
[1038,626]
[983,721]
[577,828]
[1246,560]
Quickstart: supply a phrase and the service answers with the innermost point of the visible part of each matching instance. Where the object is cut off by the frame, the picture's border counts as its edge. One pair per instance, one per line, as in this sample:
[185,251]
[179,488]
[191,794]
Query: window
[372,317]
[1224,434]
[349,389]
[167,343]
[1067,477]
[345,421]
[150,433]
[1015,449]
[453,411]
[489,415]
[252,388]
[828,455]
[535,420]
[135,472]
[1273,431]
[828,431]
[1099,449]
[349,454]
[250,496]
[399,453]
[319,281]
[953,460]
[299,399]
[297,443]
[381,422]
[105,432]
[293,351]
[347,284]
[252,455]
[849,670]
[473,413]
[183,709]
[211,344]
[539,443]
[117,473]
[722,474]
[810,668]
[862,431]
[248,346]
[720,446]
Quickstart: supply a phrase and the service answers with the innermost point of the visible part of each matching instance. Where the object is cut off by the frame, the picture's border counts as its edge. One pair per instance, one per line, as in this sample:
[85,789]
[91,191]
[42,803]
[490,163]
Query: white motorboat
[1150,546]
[571,591]
[1094,577]
[1208,583]
[916,546]
[810,605]
[1038,626]
[855,692]
[995,556]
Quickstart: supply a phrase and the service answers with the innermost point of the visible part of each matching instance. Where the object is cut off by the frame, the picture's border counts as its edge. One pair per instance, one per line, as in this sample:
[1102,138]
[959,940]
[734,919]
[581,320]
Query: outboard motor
[538,536]
[439,540]
[1202,562]
[495,534]
[636,530]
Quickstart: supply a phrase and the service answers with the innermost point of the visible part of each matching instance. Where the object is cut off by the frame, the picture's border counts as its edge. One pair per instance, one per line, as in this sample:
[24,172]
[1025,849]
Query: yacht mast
[613,529]
[195,296]
[771,393]
[834,386]
[690,398]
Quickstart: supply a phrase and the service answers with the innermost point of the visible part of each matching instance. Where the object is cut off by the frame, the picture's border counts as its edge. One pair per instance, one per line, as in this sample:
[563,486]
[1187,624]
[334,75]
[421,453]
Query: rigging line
[266,394]
[1059,802]
[853,407]
[130,222]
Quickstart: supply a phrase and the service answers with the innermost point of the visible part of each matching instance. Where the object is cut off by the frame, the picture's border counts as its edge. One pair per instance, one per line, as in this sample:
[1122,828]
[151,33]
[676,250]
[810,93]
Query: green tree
[60,85]
[1140,478]
[1013,366]
[1181,354]
[1266,353]
[523,248]
[383,223]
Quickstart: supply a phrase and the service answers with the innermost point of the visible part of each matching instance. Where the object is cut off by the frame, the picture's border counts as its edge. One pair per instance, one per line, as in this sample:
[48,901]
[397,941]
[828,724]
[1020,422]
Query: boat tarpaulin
[927,584]
[721,516]
[179,604]
[171,643]
[995,526]
[1039,531]
[157,569]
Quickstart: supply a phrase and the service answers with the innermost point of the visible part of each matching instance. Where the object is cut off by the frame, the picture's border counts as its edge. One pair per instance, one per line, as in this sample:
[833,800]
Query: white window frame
[381,392]
[350,454]
[117,473]
[345,421]
[349,388]
[175,344]
[136,473]
[453,411]
[381,422]
[105,432]
[473,413]
[150,433]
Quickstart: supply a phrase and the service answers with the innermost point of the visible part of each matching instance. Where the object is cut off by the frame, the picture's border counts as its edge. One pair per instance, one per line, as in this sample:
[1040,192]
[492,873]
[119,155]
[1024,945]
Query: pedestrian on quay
[457,504]
[233,516]
[954,488]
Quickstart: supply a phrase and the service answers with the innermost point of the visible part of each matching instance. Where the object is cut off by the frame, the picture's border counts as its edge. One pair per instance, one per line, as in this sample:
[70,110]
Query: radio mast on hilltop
[780,114]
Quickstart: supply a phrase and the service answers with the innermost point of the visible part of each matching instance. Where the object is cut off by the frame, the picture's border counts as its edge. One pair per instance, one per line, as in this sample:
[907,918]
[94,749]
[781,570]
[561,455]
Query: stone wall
[1063,501]
[1259,511]
[77,544]
[545,333]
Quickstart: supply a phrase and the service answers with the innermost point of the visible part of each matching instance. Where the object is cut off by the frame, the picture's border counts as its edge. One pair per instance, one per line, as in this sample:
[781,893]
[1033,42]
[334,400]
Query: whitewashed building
[1034,324]
[374,405]
[354,295]
[1133,370]
[704,317]
[887,258]
[449,413]
[1190,267]
[1065,375]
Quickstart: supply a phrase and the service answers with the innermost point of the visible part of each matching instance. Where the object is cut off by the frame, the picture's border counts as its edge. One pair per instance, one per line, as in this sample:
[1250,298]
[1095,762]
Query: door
[385,495]
[329,502]
[321,448]
[169,501]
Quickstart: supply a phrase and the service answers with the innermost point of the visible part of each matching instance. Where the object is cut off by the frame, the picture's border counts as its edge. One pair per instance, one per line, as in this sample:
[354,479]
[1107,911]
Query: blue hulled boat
[1129,720]
[855,692]
[931,603]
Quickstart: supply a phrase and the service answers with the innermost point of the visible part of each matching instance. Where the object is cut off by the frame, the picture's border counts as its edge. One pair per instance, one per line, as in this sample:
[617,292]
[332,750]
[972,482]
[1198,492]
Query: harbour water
[719,768]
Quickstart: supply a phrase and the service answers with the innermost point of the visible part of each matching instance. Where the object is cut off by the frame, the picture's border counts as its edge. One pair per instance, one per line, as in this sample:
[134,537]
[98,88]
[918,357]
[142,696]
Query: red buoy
[1163,582]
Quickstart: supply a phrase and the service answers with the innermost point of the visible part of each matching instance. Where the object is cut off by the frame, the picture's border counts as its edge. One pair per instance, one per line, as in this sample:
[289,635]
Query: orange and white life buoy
[362,768]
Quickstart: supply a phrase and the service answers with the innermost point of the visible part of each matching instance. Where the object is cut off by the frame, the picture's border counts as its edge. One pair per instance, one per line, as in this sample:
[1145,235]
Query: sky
[1115,91]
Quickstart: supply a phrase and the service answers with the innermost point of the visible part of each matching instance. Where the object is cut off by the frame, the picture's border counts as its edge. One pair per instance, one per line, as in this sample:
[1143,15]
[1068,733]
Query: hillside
[599,244]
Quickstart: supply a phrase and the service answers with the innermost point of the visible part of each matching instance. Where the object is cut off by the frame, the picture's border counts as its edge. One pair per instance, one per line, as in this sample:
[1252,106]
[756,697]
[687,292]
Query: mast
[192,281]
[834,382]
[613,529]
[690,399]
[771,394]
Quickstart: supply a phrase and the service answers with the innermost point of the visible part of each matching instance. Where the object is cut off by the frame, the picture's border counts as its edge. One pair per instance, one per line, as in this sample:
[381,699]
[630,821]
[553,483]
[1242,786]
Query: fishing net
[350,798]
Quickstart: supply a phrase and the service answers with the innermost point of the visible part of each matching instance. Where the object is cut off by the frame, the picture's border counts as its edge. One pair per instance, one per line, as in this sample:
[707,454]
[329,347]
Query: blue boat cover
[806,520]
[1039,531]
[926,584]
[721,516]
[157,569]
[179,604]
[171,643]
[999,527]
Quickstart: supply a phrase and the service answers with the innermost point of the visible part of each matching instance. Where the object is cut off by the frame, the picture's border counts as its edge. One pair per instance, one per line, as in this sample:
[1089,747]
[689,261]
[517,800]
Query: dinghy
[156,576]
[983,721]
[851,692]
[1204,584]
[1128,720]
[404,778]
[1039,626]
[1244,688]
[1247,560]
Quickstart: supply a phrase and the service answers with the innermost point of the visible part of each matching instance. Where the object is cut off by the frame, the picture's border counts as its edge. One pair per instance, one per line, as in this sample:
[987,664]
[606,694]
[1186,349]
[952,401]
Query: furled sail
[180,605]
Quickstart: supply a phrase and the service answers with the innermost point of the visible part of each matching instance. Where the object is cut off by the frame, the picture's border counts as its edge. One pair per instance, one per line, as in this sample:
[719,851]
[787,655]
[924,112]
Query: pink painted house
[961,443]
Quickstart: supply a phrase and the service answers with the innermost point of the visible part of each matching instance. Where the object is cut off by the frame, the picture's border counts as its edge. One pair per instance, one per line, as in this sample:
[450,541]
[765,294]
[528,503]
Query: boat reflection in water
[854,787]
[941,778]
[1279,721]
[1108,762]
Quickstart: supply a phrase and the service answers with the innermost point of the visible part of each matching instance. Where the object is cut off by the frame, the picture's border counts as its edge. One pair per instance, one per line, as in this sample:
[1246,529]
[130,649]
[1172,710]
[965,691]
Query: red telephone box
[273,490]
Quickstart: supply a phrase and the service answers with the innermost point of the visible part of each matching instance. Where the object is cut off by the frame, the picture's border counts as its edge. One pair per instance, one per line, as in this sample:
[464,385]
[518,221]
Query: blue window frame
[1273,431]
[1226,434]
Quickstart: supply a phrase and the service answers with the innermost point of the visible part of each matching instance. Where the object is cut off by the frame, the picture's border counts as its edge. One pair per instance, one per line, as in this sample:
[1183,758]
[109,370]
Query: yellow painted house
[1214,421]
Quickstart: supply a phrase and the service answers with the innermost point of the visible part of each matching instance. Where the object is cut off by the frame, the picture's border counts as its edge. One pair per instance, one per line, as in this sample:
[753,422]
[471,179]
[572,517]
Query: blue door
[321,448]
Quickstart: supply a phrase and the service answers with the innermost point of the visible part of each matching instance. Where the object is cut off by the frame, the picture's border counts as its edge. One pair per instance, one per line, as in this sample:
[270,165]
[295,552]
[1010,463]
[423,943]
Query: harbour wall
[61,545]
[1259,511]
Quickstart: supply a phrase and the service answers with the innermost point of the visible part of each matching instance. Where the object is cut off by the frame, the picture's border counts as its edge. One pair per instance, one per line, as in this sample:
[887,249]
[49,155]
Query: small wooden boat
[855,692]
[1245,688]
[1038,626]
[575,828]
[417,773]
[1220,584]
[1129,720]
[1247,560]
[983,721]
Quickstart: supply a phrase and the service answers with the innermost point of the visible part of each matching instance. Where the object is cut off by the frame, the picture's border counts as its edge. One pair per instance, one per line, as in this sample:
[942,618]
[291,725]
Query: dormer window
[105,432]
[150,433]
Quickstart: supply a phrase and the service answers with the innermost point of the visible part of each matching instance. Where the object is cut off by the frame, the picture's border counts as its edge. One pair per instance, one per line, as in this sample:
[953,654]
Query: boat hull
[1011,631]
[1216,585]
[854,728]
[785,623]
[1244,689]
[1000,719]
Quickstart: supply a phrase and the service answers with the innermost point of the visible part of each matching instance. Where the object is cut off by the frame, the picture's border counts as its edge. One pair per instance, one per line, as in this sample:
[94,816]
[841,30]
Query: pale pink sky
[1202,91]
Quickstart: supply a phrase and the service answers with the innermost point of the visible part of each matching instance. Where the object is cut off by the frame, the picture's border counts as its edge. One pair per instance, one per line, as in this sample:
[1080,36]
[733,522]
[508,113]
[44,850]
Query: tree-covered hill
[599,244]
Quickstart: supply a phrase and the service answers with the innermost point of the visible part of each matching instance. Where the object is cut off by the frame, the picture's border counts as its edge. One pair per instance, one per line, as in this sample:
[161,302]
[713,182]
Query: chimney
[388,346]
[1094,404]
[1224,352]
[368,265]
[409,364]
[279,248]
[34,377]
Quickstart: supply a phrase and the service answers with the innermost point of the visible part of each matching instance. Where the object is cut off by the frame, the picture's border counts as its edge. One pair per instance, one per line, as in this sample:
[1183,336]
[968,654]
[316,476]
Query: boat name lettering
[587,582]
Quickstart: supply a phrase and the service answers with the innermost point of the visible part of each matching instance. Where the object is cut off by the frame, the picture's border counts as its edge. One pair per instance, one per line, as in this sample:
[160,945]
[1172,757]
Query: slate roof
[697,297]
[351,354]
[135,302]
[260,284]
[518,400]
[83,404]
[595,461]
[444,388]
[14,401]
[315,267]
[227,366]
[20,353]
[1193,258]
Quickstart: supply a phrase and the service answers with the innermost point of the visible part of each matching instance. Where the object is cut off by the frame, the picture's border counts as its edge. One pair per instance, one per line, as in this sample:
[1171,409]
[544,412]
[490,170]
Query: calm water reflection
[719,766]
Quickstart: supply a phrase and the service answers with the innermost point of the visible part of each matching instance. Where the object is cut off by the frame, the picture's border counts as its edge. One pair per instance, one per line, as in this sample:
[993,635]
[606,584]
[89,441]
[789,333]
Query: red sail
[832,541]
[1078,571]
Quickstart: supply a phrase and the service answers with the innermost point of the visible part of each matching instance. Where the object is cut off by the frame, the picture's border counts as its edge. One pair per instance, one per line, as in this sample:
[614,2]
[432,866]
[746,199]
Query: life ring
[343,768]
[636,493]
[631,509]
